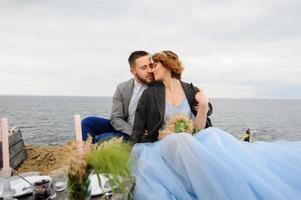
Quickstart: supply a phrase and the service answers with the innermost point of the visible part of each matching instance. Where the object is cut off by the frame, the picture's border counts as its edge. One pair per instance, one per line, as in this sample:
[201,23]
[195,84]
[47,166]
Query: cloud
[240,49]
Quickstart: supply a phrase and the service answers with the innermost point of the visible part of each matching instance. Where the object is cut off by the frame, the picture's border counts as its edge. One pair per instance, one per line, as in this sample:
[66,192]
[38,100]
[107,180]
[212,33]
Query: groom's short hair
[135,55]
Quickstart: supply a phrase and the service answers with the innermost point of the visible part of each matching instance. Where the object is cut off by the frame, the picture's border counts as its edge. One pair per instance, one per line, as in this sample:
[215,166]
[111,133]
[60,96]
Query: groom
[125,100]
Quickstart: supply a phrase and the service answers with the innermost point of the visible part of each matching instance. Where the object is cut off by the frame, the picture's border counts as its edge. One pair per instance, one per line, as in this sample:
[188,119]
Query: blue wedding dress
[214,165]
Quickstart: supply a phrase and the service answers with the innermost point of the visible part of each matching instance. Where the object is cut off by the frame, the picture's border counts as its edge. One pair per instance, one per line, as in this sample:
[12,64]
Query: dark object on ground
[17,151]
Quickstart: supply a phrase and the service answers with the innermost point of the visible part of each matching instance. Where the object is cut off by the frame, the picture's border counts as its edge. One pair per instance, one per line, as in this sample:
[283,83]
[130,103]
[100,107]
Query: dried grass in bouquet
[79,172]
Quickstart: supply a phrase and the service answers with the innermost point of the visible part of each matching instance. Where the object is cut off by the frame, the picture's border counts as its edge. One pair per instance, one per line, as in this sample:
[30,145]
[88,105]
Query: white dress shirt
[137,92]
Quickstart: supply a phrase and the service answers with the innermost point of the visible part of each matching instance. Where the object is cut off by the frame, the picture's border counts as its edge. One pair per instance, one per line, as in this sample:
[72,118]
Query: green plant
[111,159]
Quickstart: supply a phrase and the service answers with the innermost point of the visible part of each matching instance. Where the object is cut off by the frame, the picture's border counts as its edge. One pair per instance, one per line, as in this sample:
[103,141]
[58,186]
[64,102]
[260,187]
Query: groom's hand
[202,101]
[144,134]
[196,107]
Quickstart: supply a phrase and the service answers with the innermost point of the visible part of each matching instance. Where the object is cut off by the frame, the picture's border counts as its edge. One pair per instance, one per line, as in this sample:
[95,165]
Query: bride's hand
[202,101]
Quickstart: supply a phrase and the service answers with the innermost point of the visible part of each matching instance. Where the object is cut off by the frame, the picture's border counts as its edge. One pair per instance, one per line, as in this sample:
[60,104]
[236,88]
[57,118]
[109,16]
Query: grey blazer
[120,106]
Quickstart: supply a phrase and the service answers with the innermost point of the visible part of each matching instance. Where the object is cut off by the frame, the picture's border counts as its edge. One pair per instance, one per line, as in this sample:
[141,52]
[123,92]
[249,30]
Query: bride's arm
[201,117]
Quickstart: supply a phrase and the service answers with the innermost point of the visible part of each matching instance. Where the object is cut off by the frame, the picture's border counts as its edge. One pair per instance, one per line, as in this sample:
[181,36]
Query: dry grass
[44,159]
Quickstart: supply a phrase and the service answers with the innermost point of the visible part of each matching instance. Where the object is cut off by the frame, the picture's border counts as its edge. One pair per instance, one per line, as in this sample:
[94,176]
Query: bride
[212,164]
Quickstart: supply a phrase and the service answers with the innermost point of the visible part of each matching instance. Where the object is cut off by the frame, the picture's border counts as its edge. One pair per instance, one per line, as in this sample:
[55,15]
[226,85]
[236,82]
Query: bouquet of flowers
[177,124]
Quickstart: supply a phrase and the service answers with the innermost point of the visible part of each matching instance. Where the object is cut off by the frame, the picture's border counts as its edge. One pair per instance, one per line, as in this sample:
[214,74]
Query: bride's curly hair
[171,61]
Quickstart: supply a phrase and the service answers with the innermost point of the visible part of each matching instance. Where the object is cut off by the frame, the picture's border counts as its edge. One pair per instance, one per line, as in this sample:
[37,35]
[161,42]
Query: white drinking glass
[59,183]
[5,187]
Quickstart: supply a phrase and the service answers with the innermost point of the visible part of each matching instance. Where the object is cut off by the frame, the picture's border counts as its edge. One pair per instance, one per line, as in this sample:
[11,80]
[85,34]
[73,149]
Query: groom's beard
[146,80]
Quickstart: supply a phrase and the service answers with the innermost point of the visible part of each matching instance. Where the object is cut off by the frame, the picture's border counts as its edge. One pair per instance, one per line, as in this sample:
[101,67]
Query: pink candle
[5,146]
[78,132]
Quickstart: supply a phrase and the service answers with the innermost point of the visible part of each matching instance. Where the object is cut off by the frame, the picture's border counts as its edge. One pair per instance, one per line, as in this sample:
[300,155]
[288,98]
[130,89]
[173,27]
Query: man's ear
[133,71]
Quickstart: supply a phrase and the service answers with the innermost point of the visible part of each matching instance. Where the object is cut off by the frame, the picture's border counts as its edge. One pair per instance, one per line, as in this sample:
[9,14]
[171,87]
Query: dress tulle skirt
[215,165]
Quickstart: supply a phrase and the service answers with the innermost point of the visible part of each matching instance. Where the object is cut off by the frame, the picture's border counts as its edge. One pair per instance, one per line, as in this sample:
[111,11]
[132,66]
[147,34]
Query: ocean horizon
[49,119]
[238,98]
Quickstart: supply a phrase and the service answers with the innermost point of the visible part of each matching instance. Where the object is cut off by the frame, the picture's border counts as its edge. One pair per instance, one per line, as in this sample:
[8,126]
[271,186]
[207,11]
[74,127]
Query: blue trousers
[100,129]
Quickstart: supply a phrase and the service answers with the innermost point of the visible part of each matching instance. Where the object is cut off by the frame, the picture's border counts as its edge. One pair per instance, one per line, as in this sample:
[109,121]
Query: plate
[21,187]
[96,189]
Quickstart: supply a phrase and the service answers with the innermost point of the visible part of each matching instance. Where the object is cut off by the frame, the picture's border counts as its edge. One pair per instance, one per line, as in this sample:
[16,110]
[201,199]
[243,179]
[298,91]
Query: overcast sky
[231,48]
